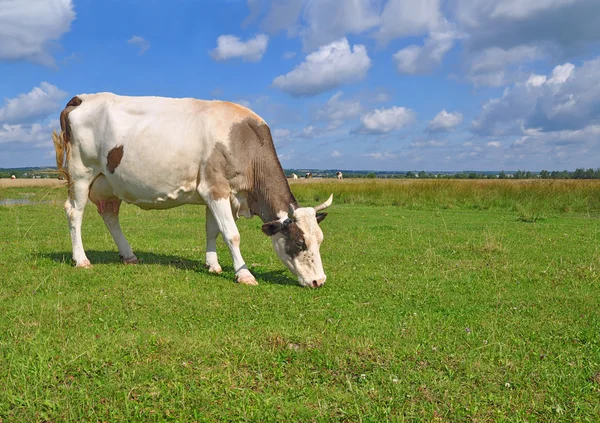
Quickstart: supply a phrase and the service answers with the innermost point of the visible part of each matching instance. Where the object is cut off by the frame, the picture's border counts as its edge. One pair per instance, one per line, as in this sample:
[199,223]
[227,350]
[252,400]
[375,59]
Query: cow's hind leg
[101,194]
[212,232]
[221,211]
[74,208]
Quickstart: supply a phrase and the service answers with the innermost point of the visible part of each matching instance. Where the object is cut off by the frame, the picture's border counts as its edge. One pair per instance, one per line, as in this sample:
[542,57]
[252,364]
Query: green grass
[429,313]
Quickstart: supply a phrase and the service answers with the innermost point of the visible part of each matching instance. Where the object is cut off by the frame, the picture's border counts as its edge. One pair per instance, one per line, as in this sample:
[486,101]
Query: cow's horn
[291,211]
[325,204]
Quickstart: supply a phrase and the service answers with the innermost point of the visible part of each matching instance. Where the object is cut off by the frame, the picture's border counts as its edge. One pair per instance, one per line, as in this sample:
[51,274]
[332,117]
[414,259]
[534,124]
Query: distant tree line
[519,174]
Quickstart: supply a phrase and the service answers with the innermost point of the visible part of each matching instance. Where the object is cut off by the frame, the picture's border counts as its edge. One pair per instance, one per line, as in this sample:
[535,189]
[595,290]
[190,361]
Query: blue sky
[352,84]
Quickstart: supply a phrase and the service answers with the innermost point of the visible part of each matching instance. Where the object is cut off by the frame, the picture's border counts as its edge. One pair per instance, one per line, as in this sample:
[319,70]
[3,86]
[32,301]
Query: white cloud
[559,28]
[336,154]
[281,136]
[402,18]
[283,15]
[569,99]
[140,42]
[494,144]
[561,73]
[492,66]
[386,155]
[330,66]
[28,27]
[329,20]
[289,55]
[36,134]
[416,60]
[520,10]
[383,121]
[231,47]
[37,104]
[427,143]
[445,121]
[337,110]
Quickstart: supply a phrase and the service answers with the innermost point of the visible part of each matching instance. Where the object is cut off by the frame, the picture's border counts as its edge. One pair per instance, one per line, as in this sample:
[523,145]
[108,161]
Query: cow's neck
[270,194]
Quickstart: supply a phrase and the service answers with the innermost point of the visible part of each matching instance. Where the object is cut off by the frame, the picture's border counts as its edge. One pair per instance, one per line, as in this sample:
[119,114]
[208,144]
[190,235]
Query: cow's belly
[154,193]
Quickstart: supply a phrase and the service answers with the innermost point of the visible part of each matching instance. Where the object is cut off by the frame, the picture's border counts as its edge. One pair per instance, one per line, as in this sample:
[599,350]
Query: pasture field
[445,301]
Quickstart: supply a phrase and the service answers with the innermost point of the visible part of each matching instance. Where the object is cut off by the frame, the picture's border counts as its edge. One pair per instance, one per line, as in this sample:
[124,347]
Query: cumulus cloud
[383,121]
[231,47]
[427,143]
[495,66]
[36,134]
[445,121]
[567,99]
[386,155]
[37,104]
[402,18]
[28,28]
[336,154]
[423,59]
[563,26]
[329,20]
[337,110]
[319,22]
[328,67]
[281,136]
[140,42]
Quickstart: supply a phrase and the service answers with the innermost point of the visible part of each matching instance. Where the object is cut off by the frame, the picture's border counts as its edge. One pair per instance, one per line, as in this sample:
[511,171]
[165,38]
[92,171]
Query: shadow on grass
[277,277]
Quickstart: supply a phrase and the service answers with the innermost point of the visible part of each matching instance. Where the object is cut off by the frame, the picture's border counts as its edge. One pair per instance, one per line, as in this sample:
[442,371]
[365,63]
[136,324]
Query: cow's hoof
[131,260]
[214,268]
[247,280]
[85,264]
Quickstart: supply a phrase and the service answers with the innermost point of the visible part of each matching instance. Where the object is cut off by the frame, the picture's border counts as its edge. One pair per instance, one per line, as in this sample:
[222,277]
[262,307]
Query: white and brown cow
[339,175]
[159,153]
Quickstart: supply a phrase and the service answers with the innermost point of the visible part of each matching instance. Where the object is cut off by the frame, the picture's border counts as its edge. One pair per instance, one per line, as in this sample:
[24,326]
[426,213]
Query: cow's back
[152,150]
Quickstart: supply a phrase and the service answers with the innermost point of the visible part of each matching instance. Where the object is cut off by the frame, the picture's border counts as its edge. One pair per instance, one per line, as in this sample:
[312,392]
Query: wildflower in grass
[468,330]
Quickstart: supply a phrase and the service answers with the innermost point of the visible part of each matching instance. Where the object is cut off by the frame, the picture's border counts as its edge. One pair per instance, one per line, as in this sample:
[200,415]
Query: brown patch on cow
[294,239]
[250,164]
[113,159]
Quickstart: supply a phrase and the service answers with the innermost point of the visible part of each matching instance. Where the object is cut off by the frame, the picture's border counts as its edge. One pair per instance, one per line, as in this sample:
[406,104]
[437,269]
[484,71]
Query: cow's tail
[63,154]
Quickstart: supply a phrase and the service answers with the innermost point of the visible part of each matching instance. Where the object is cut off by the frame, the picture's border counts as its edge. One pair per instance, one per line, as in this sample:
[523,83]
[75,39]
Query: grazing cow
[159,153]
[308,175]
[13,177]
[339,175]
[294,176]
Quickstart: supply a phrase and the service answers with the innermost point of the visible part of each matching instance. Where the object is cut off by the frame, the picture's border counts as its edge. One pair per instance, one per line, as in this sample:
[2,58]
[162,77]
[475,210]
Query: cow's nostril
[315,283]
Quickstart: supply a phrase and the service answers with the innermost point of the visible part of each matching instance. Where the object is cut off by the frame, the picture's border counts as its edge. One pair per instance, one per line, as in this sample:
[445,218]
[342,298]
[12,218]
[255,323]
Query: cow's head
[297,239]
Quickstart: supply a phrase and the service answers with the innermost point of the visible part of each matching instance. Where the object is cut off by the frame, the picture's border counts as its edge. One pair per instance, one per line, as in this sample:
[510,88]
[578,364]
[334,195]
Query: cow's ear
[321,216]
[271,228]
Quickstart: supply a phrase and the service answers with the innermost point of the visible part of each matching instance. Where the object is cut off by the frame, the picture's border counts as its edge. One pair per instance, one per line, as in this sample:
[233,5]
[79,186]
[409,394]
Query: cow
[339,176]
[294,176]
[308,175]
[159,153]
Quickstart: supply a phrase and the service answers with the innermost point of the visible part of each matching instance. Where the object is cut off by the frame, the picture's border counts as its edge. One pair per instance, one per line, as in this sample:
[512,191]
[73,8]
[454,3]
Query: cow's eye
[300,244]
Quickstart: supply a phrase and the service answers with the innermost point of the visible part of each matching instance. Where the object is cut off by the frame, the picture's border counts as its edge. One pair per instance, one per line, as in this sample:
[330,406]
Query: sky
[392,85]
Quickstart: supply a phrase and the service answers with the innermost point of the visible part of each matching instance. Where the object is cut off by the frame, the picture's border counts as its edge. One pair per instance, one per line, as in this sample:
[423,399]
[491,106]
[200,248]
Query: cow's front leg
[221,211]
[212,231]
